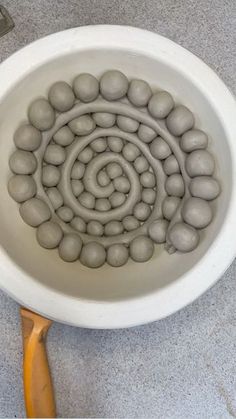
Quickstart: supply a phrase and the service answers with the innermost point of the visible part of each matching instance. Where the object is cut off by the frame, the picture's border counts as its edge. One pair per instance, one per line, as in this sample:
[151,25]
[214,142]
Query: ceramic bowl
[136,293]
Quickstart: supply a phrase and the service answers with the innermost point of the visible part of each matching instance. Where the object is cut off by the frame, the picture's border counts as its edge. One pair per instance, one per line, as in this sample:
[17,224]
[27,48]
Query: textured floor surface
[180,367]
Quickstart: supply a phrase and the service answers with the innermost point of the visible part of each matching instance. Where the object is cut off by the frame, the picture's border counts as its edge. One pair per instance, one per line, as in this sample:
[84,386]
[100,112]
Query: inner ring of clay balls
[104,180]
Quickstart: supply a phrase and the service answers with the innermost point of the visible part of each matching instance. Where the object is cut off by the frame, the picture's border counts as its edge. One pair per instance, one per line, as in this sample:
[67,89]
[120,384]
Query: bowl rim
[163,302]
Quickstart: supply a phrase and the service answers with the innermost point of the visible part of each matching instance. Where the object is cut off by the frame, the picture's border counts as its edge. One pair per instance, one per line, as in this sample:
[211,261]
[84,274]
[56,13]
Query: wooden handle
[38,389]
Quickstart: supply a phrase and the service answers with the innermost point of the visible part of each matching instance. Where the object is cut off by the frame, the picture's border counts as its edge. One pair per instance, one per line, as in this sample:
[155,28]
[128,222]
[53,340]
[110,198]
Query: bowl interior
[106,283]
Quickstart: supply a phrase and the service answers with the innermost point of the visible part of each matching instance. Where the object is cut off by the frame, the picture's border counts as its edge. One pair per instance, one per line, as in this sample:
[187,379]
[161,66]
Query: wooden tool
[38,389]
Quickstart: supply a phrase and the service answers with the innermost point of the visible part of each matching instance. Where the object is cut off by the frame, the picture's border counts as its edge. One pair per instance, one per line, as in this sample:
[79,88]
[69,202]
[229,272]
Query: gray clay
[193,139]
[93,255]
[103,178]
[158,230]
[160,149]
[148,196]
[197,212]
[183,237]
[85,155]
[113,85]
[130,223]
[175,185]
[27,138]
[180,120]
[146,134]
[77,187]
[102,204]
[147,180]
[169,206]
[141,164]
[78,224]
[61,96]
[83,125]
[78,170]
[139,92]
[113,228]
[117,199]
[54,154]
[171,165]
[55,198]
[49,235]
[87,200]
[86,87]
[115,144]
[34,212]
[104,119]
[117,255]
[94,228]
[204,187]
[160,105]
[41,114]
[141,249]
[114,170]
[70,247]
[50,175]
[23,162]
[127,124]
[200,163]
[130,152]
[121,184]
[142,211]
[21,187]
[64,136]
[65,214]
[99,145]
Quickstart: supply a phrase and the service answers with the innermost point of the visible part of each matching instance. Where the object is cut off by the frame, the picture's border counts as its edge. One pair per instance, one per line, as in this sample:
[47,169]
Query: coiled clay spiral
[105,170]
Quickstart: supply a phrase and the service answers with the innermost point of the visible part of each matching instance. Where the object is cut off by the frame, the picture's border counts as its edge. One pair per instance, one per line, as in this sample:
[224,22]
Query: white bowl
[136,293]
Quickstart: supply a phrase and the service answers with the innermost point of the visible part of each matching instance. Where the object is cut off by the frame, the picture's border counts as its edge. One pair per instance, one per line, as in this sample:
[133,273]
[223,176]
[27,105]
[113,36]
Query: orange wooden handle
[38,389]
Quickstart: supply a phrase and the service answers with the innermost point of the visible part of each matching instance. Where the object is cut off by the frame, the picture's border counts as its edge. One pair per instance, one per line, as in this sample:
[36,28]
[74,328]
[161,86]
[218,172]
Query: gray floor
[180,367]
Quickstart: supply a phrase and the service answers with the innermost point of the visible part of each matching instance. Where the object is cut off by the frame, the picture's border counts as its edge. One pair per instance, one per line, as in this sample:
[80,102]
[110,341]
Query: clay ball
[130,223]
[148,196]
[83,125]
[113,85]
[50,175]
[54,154]
[87,200]
[64,136]
[141,164]
[160,149]
[21,187]
[157,230]
[160,105]
[41,114]
[112,228]
[169,206]
[115,144]
[49,235]
[175,185]
[183,237]
[78,224]
[199,163]
[171,165]
[23,162]
[180,120]
[65,214]
[104,120]
[130,152]
[204,187]
[114,170]
[93,255]
[146,134]
[34,212]
[77,187]
[147,180]
[70,247]
[141,249]
[127,124]
[99,145]
[86,87]
[139,92]
[85,155]
[103,178]
[142,211]
[194,139]
[117,255]
[78,170]
[55,197]
[27,138]
[94,228]
[102,204]
[61,96]
[121,184]
[197,212]
[117,199]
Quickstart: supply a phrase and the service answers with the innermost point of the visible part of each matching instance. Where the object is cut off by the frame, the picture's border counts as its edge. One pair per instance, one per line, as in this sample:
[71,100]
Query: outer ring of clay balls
[141,249]
[197,212]
[49,235]
[93,255]
[22,162]
[34,212]
[61,96]
[160,105]
[86,87]
[41,114]
[180,120]
[21,187]
[183,237]
[70,247]
[117,255]
[139,92]
[157,231]
[27,138]
[113,85]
